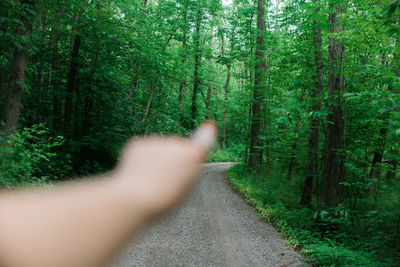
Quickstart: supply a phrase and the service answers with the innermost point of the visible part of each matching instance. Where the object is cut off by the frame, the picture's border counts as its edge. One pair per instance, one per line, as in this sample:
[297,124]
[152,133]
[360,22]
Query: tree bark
[197,57]
[55,81]
[249,84]
[72,73]
[312,156]
[375,172]
[293,155]
[19,61]
[255,156]
[181,84]
[393,162]
[148,104]
[89,98]
[87,119]
[226,91]
[228,78]
[332,171]
[209,89]
[391,173]
[208,102]
[42,101]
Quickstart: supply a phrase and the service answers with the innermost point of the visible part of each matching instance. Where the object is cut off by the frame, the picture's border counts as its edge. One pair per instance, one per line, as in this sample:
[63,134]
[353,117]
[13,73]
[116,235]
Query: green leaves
[28,157]
[393,7]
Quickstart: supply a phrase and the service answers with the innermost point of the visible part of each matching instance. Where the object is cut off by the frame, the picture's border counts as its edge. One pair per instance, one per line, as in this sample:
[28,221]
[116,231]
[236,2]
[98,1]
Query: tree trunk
[57,105]
[181,84]
[2,81]
[197,57]
[88,105]
[19,61]
[148,104]
[292,162]
[249,84]
[332,171]
[293,155]
[208,101]
[391,173]
[312,157]
[255,156]
[180,96]
[228,78]
[89,98]
[72,73]
[375,172]
[44,19]
[209,89]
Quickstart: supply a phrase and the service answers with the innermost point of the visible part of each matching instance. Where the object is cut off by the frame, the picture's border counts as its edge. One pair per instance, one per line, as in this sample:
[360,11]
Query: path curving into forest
[213,227]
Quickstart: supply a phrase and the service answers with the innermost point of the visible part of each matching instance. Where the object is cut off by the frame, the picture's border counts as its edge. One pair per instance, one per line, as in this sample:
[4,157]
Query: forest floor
[213,227]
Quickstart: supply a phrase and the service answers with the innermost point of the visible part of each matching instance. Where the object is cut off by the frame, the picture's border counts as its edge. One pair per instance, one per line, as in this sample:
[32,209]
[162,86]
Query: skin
[84,224]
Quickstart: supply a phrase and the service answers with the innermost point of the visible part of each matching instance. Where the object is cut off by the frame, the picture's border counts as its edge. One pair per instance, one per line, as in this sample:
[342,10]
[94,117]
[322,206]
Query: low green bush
[231,154]
[28,157]
[363,239]
[325,254]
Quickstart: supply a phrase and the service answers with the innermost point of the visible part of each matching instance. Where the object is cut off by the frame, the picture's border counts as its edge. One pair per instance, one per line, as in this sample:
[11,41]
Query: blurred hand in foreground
[157,171]
[84,224]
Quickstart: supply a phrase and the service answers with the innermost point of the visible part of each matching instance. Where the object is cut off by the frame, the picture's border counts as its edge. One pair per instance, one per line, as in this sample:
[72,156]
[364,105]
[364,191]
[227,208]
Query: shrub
[231,154]
[27,157]
[325,254]
[325,239]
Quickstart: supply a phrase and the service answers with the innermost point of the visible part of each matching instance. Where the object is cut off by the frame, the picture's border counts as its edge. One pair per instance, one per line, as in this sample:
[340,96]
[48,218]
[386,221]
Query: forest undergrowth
[355,237]
[310,88]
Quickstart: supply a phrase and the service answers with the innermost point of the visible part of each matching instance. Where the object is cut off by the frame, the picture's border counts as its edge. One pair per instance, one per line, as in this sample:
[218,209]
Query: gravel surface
[213,227]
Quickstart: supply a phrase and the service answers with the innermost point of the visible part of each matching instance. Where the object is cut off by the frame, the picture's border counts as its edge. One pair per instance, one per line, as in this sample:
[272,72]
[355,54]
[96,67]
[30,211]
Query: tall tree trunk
[228,78]
[181,84]
[88,105]
[208,102]
[249,84]
[89,98]
[293,155]
[391,173]
[42,100]
[312,156]
[332,171]
[268,146]
[57,105]
[72,73]
[197,57]
[19,61]
[2,81]
[148,104]
[393,153]
[209,89]
[255,156]
[375,172]
[44,19]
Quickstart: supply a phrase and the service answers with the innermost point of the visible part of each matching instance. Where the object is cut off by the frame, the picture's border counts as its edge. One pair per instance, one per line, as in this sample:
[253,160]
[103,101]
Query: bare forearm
[83,224]
[72,225]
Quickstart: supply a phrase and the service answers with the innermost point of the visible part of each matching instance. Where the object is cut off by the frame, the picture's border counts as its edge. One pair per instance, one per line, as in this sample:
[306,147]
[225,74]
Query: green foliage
[231,154]
[337,237]
[135,68]
[324,254]
[29,157]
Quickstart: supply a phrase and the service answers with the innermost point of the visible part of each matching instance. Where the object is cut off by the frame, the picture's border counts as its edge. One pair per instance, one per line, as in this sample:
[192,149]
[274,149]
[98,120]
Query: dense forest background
[305,93]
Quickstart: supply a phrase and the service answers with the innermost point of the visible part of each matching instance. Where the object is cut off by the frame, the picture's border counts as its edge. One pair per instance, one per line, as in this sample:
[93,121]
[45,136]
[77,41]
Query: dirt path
[213,227]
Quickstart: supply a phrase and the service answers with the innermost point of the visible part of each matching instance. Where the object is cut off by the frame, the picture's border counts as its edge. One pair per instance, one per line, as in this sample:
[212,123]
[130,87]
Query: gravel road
[213,227]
